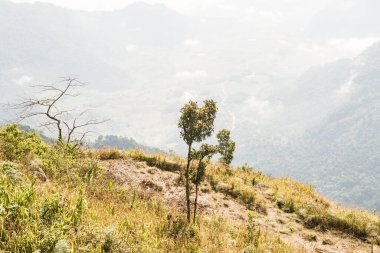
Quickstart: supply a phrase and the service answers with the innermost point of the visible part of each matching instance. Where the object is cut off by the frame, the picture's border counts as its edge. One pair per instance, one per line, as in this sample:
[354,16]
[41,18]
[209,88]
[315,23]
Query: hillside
[56,199]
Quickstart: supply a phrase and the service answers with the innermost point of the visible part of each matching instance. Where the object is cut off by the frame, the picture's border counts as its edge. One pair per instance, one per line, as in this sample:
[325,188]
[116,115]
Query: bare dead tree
[69,124]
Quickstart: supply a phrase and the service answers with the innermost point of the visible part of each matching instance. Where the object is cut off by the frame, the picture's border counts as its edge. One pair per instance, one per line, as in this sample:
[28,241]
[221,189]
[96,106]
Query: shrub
[29,222]
[51,209]
[11,170]
[350,223]
[287,206]
[110,154]
[16,145]
[72,167]
[162,162]
[236,185]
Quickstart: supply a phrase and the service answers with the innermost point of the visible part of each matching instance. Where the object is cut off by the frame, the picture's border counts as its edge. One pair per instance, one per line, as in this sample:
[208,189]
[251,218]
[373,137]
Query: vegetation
[317,212]
[196,124]
[58,199]
[226,146]
[313,210]
[80,209]
[205,152]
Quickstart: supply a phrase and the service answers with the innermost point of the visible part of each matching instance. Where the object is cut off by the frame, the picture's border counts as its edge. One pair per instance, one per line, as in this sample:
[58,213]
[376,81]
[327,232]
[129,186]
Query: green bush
[11,170]
[29,222]
[51,209]
[16,145]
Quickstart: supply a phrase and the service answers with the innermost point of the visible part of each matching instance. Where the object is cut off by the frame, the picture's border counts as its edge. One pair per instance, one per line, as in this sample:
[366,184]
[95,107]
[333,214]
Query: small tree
[47,104]
[196,123]
[206,151]
[226,146]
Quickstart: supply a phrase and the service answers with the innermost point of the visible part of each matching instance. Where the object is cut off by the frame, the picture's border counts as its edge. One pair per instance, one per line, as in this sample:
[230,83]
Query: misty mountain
[47,42]
[340,154]
[123,143]
[346,19]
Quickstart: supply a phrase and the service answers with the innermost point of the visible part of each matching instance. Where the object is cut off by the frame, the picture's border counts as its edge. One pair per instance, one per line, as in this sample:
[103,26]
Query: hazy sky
[230,49]
[272,7]
[180,5]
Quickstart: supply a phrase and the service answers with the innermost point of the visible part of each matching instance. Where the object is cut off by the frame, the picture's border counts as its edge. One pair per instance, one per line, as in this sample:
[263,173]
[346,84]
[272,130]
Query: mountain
[122,143]
[339,153]
[346,19]
[45,42]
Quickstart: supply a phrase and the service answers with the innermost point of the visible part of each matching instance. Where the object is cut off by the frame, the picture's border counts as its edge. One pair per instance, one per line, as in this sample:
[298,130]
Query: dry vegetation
[56,199]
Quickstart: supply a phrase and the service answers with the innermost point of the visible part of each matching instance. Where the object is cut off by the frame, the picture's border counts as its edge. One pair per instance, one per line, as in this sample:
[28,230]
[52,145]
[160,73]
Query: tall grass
[317,212]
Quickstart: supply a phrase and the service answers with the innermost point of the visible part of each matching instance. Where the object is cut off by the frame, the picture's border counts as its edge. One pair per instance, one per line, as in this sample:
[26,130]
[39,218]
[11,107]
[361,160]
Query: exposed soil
[287,226]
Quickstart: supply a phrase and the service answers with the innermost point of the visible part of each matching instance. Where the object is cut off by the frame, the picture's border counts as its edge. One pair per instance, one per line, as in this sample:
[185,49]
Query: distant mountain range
[341,154]
[46,41]
[123,143]
[108,141]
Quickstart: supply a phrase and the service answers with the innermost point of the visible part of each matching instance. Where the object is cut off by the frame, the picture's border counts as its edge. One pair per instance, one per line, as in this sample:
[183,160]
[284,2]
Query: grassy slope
[81,209]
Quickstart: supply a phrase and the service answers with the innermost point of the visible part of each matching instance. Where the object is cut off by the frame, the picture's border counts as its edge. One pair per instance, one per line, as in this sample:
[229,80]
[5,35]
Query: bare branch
[65,123]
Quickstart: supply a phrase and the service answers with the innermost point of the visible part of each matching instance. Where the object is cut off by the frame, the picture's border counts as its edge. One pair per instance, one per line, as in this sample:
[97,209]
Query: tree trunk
[187,185]
[196,190]
[195,201]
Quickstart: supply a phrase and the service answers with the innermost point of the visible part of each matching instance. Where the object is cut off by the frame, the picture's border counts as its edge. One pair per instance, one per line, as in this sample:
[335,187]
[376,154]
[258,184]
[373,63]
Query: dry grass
[167,163]
[80,209]
[237,184]
[105,154]
[314,210]
[86,211]
[317,212]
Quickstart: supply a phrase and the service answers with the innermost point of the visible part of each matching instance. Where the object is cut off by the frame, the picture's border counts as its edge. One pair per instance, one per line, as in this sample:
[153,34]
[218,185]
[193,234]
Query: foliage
[30,221]
[196,123]
[205,151]
[226,146]
[16,145]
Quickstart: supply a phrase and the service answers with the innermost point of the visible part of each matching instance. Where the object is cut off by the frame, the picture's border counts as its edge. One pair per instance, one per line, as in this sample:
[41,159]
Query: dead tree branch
[46,104]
